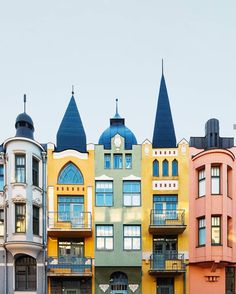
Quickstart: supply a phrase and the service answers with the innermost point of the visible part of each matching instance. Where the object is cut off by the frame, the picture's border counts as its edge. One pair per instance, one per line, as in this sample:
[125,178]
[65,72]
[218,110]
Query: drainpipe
[44,156]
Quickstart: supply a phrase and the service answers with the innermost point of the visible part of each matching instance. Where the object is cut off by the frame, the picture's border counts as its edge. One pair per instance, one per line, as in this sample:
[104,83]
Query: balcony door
[165,286]
[163,248]
[165,207]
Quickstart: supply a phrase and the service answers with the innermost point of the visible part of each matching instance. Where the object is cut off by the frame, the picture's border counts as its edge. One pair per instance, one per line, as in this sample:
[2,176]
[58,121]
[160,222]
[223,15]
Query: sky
[112,49]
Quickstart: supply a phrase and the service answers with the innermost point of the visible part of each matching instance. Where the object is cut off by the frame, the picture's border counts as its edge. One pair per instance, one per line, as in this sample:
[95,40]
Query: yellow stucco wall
[182,153]
[86,166]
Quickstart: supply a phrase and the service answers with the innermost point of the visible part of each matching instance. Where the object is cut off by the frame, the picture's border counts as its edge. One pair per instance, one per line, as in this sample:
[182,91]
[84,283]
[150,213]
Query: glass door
[77,215]
[163,249]
[165,207]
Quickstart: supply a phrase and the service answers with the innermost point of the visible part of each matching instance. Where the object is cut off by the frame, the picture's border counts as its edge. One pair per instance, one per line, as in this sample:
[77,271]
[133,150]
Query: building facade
[22,213]
[70,176]
[164,205]
[118,229]
[212,218]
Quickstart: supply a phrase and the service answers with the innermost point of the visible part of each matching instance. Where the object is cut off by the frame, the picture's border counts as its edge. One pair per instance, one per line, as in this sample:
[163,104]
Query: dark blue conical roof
[71,134]
[164,132]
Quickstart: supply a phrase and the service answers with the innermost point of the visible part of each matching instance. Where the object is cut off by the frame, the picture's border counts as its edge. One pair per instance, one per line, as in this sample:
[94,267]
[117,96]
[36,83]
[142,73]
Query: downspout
[44,156]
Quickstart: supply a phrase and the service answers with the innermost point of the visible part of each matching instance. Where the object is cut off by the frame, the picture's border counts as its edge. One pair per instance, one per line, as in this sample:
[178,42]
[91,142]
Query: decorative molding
[132,178]
[19,199]
[146,141]
[117,142]
[90,146]
[164,185]
[70,153]
[165,152]
[183,141]
[104,287]
[103,178]
[133,287]
[37,202]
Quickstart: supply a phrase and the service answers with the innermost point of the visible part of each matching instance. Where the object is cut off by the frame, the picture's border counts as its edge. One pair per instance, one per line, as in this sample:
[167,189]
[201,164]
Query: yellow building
[164,206]
[70,208]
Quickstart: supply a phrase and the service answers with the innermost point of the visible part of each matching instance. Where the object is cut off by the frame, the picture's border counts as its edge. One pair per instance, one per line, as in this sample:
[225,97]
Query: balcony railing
[167,221]
[168,262]
[70,266]
[66,221]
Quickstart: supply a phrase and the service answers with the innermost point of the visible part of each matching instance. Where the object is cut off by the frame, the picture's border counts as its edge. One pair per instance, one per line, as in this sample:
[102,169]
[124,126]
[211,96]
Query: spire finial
[72,92]
[116,106]
[24,103]
[162,66]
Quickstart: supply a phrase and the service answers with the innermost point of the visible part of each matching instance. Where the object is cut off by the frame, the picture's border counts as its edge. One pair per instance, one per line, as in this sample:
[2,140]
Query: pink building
[212,212]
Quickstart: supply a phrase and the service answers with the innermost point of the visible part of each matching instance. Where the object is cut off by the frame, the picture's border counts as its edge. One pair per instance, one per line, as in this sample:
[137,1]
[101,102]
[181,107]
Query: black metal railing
[167,217]
[170,261]
[70,265]
[68,220]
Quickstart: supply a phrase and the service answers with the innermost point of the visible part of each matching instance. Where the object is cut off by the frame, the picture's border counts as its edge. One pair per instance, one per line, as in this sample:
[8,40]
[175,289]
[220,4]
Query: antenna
[73,90]
[162,66]
[116,106]
[24,103]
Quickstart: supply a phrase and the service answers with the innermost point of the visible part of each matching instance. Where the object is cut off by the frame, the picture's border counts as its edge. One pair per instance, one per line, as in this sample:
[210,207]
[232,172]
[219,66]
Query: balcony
[71,224]
[73,266]
[167,264]
[167,222]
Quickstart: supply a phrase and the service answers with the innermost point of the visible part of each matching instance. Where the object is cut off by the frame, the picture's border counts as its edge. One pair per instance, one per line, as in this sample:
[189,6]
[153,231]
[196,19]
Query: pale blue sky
[113,49]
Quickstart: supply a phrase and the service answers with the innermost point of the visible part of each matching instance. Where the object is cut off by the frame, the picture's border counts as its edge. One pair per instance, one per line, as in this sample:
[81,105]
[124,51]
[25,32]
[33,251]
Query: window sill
[200,246]
[23,184]
[217,245]
[199,197]
[37,188]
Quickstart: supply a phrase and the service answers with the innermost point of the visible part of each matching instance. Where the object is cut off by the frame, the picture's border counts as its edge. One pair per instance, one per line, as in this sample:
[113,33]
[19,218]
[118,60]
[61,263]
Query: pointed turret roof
[71,134]
[164,132]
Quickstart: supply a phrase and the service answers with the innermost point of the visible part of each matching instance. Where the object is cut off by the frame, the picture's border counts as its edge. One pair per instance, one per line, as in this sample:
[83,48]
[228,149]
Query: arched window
[70,174]
[165,168]
[155,168]
[25,273]
[174,168]
[119,281]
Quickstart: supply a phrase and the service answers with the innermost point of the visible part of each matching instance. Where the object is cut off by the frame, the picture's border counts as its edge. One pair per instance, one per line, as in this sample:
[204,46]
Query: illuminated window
[215,230]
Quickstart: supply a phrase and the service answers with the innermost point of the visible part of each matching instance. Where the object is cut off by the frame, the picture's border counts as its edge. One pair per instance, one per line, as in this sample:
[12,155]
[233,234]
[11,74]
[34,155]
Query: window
[104,193]
[174,168]
[128,161]
[132,193]
[201,183]
[25,273]
[230,280]
[70,208]
[201,231]
[215,230]
[35,220]
[132,237]
[155,168]
[107,161]
[1,222]
[70,249]
[1,177]
[20,218]
[70,174]
[20,168]
[229,232]
[104,237]
[215,180]
[118,161]
[229,181]
[35,172]
[164,208]
[165,168]
[118,282]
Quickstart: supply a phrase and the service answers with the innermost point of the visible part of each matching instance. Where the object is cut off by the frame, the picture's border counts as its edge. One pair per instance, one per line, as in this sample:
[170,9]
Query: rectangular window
[118,161]
[128,161]
[70,209]
[1,177]
[70,249]
[35,172]
[215,230]
[132,193]
[230,280]
[201,231]
[201,183]
[104,193]
[20,218]
[107,161]
[1,222]
[35,220]
[104,237]
[132,237]
[20,168]
[215,180]
[229,232]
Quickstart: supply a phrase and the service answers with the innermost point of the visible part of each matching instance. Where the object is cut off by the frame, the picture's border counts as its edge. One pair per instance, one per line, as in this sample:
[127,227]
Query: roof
[164,132]
[24,126]
[71,134]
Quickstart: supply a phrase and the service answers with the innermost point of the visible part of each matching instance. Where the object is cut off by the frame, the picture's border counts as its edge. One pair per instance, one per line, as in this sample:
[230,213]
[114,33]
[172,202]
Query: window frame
[118,155]
[2,217]
[20,215]
[175,168]
[131,194]
[216,226]
[1,177]
[201,228]
[20,167]
[155,168]
[105,237]
[27,271]
[132,237]
[69,203]
[216,177]
[165,168]
[105,194]
[35,172]
[201,171]
[36,221]
[107,155]
[229,231]
[128,155]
